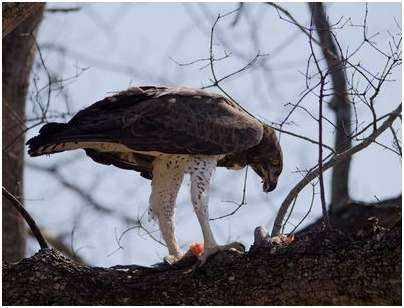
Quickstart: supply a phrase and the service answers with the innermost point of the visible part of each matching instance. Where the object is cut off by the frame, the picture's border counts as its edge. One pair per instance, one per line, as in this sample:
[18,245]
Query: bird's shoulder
[157,94]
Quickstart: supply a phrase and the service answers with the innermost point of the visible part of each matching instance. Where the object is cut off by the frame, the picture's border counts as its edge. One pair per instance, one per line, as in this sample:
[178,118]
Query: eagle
[164,133]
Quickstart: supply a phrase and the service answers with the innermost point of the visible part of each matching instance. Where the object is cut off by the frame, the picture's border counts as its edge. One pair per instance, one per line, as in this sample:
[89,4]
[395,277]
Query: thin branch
[90,201]
[320,135]
[302,137]
[369,125]
[320,156]
[63,10]
[118,239]
[216,83]
[239,10]
[396,142]
[30,221]
[239,205]
[387,148]
[290,214]
[245,67]
[336,159]
[48,75]
[292,19]
[226,55]
[308,212]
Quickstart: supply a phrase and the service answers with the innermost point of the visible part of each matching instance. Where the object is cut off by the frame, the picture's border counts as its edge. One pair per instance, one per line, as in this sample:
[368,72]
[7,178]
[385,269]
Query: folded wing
[166,120]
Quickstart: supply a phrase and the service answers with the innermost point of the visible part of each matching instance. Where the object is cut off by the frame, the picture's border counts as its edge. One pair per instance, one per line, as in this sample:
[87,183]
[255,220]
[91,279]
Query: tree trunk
[361,266]
[15,13]
[339,103]
[18,55]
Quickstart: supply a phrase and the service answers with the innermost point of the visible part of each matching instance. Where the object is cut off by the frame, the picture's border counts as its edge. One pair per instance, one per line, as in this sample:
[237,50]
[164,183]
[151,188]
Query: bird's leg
[201,173]
[166,224]
[167,178]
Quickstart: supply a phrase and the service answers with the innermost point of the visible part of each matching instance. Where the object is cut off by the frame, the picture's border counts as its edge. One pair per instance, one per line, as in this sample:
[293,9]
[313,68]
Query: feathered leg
[167,178]
[201,172]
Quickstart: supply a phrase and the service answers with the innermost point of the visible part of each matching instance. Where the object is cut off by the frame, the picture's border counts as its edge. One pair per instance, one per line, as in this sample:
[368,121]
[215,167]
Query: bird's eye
[275,162]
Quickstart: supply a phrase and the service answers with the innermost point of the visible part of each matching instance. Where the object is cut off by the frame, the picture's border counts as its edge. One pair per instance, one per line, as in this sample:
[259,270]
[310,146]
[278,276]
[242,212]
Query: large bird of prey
[164,133]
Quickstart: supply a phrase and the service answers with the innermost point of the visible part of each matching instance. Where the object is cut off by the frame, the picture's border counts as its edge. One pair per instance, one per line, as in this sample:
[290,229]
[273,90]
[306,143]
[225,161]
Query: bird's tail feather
[57,137]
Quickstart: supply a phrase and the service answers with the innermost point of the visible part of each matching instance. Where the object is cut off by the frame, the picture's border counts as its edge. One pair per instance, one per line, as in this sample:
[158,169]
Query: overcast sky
[113,46]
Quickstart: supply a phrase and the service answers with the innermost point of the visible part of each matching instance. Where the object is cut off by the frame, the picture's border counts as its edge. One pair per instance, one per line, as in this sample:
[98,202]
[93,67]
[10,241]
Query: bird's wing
[129,161]
[167,120]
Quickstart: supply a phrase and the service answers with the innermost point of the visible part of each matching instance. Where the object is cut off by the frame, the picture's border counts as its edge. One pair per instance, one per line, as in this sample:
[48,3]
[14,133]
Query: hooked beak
[269,180]
[268,184]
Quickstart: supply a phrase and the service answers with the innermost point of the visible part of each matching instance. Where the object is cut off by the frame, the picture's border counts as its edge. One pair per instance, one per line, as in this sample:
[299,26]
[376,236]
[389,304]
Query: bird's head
[266,159]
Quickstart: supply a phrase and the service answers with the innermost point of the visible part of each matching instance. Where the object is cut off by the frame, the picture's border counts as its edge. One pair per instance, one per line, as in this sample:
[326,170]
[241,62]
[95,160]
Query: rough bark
[355,267]
[339,103]
[14,13]
[18,54]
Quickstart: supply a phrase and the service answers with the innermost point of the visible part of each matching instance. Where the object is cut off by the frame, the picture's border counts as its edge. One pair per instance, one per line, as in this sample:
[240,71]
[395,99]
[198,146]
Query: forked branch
[336,159]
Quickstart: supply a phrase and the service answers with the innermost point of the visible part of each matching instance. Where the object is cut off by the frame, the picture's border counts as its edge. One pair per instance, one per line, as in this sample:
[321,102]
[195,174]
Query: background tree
[20,23]
[310,265]
[339,103]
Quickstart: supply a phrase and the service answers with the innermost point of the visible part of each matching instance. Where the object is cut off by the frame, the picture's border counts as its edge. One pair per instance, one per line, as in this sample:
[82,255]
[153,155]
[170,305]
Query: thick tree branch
[309,271]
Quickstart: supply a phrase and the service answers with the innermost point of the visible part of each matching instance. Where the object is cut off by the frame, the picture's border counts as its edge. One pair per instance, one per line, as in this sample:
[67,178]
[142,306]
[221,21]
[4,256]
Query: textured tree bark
[15,13]
[18,54]
[339,103]
[359,267]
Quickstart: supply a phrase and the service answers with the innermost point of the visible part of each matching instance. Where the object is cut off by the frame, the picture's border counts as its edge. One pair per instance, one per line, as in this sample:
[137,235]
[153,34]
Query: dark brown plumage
[164,133]
[169,120]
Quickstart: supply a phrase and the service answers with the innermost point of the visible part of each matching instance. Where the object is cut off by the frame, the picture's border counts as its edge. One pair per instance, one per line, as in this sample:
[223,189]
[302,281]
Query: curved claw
[208,252]
[171,259]
[190,256]
[237,246]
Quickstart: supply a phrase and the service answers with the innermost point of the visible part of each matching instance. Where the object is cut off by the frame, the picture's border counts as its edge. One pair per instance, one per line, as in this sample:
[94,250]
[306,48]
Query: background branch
[336,159]
[340,104]
[30,221]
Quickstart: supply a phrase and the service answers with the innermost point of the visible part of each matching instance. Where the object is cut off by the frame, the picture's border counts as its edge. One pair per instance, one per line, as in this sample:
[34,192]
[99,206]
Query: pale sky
[131,44]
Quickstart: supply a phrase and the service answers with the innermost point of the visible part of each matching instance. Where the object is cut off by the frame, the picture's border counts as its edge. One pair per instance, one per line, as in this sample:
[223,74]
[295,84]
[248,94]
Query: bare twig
[396,142]
[290,214]
[292,19]
[387,148]
[245,67]
[320,156]
[30,221]
[336,68]
[239,10]
[90,201]
[308,211]
[323,77]
[336,159]
[226,55]
[104,64]
[240,204]
[118,239]
[216,82]
[302,137]
[63,10]
[49,76]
